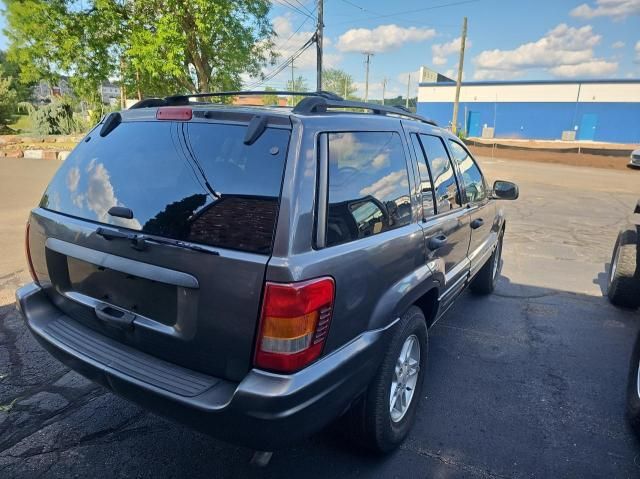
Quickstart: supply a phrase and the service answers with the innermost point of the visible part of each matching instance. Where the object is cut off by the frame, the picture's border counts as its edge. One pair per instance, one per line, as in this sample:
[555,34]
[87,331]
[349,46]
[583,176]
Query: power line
[304,6]
[283,65]
[417,10]
[294,8]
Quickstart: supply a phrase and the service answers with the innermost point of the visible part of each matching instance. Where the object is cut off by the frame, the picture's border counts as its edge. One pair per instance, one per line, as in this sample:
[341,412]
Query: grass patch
[22,124]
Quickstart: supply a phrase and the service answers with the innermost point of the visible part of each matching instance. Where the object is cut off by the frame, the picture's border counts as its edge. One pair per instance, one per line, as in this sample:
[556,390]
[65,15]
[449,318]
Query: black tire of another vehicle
[624,271]
[486,279]
[370,419]
[633,389]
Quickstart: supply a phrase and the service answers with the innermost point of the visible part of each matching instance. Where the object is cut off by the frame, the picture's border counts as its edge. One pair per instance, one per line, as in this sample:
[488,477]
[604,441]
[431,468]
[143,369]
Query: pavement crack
[469,470]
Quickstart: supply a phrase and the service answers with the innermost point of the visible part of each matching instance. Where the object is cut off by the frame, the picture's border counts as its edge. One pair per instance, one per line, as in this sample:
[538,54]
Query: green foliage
[12,69]
[55,118]
[269,99]
[399,101]
[155,47]
[8,99]
[339,82]
[297,84]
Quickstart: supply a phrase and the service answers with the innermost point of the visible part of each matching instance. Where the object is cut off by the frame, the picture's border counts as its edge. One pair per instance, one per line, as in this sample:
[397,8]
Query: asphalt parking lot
[528,382]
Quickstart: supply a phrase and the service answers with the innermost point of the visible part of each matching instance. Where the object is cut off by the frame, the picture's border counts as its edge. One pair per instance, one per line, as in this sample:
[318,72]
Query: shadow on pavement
[526,382]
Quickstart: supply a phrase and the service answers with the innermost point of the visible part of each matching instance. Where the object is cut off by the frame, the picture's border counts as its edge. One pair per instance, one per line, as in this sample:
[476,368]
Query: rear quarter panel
[377,277]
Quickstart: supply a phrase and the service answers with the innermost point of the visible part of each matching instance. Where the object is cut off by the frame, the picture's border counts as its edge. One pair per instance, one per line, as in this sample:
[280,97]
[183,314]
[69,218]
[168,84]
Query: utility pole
[463,41]
[384,87]
[366,81]
[406,103]
[293,85]
[319,34]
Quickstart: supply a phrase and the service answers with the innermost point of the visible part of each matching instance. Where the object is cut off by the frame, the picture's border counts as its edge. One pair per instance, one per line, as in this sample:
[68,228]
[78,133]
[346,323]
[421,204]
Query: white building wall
[543,92]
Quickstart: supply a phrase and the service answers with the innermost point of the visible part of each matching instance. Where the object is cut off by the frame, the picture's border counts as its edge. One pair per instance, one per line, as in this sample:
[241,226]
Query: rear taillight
[294,324]
[27,252]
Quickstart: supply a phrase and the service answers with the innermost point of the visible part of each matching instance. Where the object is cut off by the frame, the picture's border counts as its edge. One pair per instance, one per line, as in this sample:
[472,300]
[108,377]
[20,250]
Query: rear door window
[368,185]
[191,181]
[426,184]
[444,177]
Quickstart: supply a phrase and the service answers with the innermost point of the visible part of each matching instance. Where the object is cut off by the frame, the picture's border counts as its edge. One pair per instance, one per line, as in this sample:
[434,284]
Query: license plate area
[146,297]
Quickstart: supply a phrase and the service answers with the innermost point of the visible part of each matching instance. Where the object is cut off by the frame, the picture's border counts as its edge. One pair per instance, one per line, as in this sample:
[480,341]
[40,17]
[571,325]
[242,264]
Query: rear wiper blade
[140,241]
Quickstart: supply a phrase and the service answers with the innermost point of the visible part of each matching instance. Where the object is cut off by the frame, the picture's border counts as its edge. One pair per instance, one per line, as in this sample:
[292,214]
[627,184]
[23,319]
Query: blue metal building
[596,110]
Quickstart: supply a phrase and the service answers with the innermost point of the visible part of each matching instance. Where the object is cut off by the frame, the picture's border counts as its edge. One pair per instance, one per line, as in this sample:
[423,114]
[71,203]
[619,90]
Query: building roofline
[535,82]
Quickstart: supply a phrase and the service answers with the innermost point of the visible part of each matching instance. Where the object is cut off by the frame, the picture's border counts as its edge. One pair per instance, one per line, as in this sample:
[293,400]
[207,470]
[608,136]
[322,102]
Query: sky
[507,39]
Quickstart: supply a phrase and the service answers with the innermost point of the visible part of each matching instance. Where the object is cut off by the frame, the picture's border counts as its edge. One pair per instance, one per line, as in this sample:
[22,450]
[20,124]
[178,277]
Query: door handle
[114,316]
[437,242]
[477,223]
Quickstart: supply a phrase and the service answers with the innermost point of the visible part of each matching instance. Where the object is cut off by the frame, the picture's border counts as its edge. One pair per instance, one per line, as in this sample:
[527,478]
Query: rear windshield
[191,181]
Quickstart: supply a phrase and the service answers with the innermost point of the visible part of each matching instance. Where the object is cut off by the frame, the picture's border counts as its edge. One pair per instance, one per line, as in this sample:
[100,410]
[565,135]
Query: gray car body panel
[377,278]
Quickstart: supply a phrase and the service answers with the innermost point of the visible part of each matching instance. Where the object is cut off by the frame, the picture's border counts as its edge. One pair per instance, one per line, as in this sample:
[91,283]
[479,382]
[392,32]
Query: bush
[56,118]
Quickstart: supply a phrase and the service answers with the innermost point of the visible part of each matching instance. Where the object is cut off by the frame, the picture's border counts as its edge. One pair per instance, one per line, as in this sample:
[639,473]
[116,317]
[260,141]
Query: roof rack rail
[319,104]
[183,100]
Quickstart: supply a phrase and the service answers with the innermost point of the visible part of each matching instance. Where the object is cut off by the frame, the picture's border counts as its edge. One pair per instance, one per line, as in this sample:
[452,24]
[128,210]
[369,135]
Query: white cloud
[100,196]
[382,38]
[389,185]
[404,77]
[441,51]
[564,51]
[618,44]
[618,9]
[586,69]
[637,49]
[392,89]
[73,178]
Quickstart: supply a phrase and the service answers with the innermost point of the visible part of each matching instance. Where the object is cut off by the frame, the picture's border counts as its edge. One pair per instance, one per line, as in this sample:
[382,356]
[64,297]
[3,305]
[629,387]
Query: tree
[12,69]
[8,100]
[338,82]
[270,99]
[156,46]
[199,45]
[297,84]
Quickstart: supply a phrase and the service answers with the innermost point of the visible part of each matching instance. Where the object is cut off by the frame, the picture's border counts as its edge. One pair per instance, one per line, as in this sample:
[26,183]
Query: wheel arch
[419,288]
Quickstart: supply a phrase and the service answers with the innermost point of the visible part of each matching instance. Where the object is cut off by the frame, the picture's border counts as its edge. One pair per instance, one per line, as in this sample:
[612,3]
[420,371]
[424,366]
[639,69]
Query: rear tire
[373,423]
[624,272]
[633,388]
[486,279]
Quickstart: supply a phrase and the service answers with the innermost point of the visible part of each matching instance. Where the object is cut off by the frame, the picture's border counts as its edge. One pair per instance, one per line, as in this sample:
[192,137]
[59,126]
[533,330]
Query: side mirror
[505,190]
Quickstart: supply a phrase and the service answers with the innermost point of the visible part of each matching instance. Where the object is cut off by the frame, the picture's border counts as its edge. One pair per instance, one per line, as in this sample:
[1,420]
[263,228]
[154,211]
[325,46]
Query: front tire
[633,388]
[486,279]
[624,272]
[383,418]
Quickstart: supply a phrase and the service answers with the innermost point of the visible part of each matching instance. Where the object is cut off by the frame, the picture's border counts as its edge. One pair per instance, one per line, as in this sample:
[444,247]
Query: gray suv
[257,273]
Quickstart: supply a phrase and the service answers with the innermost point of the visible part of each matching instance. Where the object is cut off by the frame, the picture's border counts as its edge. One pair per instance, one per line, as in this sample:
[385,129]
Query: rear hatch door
[176,269]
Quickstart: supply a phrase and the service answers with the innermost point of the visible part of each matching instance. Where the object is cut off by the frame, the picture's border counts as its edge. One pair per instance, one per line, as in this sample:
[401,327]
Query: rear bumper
[264,411]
